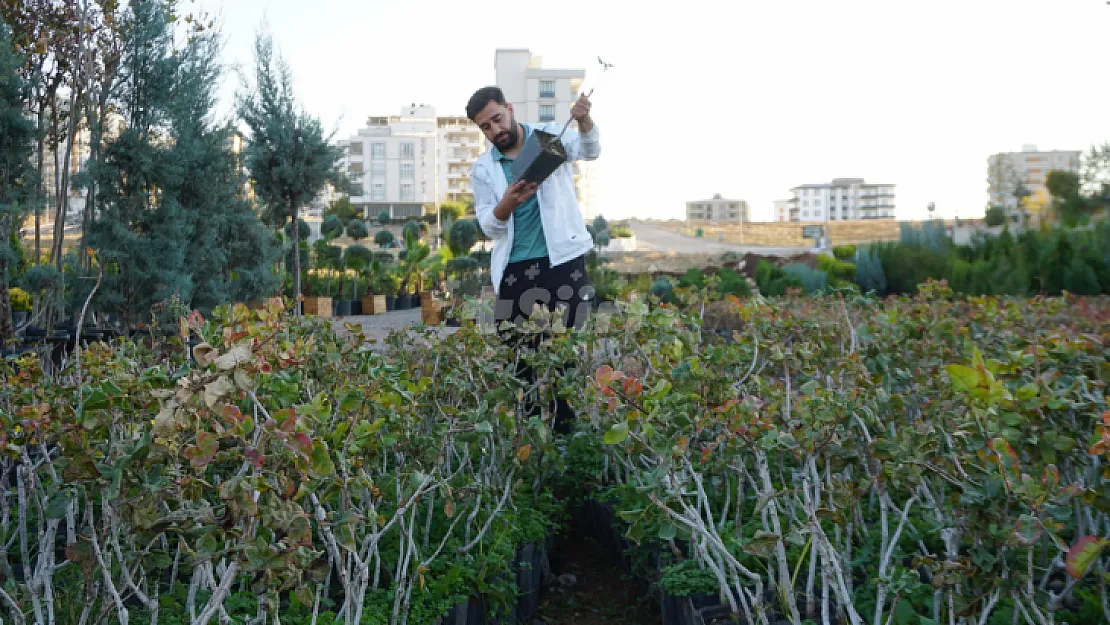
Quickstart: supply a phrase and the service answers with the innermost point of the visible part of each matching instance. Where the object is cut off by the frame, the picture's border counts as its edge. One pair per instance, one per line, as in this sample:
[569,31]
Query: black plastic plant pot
[541,155]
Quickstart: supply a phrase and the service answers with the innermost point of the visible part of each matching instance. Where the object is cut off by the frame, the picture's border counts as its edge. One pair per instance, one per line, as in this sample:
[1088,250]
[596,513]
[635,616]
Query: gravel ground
[379,327]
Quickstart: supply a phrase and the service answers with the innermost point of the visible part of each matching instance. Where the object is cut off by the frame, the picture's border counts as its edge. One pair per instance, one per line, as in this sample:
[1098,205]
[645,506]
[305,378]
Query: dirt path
[591,589]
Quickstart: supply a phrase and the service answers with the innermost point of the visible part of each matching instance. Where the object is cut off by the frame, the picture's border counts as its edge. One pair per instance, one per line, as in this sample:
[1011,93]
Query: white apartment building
[397,160]
[841,200]
[458,144]
[781,210]
[717,210]
[541,95]
[1009,172]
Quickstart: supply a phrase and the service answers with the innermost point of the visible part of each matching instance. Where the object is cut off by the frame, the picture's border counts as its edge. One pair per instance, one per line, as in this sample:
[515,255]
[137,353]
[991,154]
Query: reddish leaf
[204,451]
[287,419]
[255,457]
[1082,554]
[302,442]
[232,413]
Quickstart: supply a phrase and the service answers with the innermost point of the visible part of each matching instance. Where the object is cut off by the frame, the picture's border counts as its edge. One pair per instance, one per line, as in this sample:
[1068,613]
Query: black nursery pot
[541,155]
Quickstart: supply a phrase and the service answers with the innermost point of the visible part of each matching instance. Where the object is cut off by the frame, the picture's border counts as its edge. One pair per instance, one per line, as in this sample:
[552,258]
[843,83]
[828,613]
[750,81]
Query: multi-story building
[841,200]
[539,95]
[716,210]
[1011,175]
[459,143]
[394,160]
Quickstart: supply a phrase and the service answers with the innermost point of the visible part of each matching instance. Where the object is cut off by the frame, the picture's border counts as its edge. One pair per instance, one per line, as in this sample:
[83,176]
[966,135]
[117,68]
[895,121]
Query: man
[539,238]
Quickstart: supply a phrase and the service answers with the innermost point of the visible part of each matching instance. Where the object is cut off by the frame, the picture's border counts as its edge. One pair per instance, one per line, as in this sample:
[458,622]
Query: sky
[746,98]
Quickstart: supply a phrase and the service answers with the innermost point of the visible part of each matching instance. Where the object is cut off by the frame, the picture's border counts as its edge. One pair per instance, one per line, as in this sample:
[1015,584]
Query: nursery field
[925,460]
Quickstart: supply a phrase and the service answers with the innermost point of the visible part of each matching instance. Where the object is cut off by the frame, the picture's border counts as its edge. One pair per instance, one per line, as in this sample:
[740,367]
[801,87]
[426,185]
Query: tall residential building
[408,164]
[717,210]
[459,142]
[1011,173]
[541,95]
[841,200]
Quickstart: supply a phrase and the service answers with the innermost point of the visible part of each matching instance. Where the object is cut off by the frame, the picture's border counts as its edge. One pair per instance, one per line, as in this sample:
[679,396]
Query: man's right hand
[517,194]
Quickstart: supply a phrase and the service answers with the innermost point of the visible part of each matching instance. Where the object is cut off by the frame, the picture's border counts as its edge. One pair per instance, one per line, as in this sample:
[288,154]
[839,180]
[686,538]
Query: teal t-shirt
[528,238]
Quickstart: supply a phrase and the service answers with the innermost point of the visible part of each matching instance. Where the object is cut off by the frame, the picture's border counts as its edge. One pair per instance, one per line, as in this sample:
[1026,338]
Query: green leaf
[762,544]
[903,613]
[668,531]
[964,379]
[349,402]
[321,461]
[616,434]
[809,388]
[57,506]
[96,400]
[1082,554]
[1028,391]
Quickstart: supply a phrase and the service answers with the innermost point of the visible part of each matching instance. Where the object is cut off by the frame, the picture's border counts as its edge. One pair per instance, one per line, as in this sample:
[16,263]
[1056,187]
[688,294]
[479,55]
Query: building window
[547,112]
[407,192]
[354,168]
[408,150]
[355,148]
[377,169]
[377,192]
[408,171]
[377,150]
[547,88]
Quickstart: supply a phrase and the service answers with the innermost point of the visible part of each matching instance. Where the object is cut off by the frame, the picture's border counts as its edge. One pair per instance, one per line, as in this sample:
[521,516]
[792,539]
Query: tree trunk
[40,193]
[296,258]
[63,187]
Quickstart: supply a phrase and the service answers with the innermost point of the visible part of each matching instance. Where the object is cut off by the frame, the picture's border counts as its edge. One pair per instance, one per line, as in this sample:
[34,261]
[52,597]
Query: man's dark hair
[481,98]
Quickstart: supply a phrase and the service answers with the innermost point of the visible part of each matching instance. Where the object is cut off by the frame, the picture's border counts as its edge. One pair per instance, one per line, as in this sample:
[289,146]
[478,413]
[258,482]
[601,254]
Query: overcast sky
[746,98]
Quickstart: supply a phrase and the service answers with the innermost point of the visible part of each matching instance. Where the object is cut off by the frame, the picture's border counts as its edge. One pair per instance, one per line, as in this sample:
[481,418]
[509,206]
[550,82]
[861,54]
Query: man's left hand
[581,113]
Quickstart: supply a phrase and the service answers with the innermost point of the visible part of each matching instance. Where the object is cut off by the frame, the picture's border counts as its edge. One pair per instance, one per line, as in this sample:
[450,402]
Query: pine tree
[142,226]
[289,158]
[229,251]
[17,176]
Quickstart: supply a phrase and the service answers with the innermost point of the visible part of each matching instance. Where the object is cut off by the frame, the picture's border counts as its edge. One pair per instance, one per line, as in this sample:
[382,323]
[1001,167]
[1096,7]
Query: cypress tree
[289,158]
[17,176]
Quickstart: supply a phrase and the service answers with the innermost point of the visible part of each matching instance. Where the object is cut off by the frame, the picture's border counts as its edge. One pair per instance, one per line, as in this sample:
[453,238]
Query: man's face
[498,124]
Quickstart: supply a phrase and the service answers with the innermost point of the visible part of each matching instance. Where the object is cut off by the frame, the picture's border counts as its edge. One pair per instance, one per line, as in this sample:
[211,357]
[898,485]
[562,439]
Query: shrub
[303,229]
[869,271]
[383,218]
[662,288]
[812,280]
[694,277]
[20,300]
[732,282]
[995,216]
[773,281]
[620,232]
[384,238]
[839,271]
[331,227]
[699,233]
[357,230]
[462,236]
[844,252]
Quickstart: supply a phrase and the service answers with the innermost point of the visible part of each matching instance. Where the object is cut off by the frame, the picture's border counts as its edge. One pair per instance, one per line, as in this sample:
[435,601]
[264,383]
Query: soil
[602,592]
